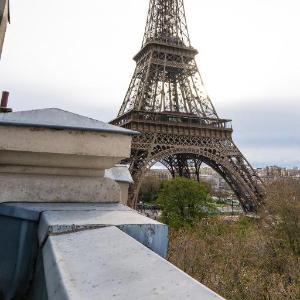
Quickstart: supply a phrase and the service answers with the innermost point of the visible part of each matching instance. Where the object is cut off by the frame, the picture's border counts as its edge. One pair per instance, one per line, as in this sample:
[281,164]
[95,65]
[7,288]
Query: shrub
[283,209]
[246,258]
[184,202]
[149,189]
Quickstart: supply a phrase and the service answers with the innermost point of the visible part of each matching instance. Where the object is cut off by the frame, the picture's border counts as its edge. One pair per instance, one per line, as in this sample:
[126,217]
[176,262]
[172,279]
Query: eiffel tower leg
[180,165]
[197,163]
[183,165]
[220,154]
[170,164]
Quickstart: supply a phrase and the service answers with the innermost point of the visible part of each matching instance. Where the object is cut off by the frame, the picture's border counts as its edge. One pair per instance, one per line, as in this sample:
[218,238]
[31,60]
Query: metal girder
[176,151]
[167,102]
[166,77]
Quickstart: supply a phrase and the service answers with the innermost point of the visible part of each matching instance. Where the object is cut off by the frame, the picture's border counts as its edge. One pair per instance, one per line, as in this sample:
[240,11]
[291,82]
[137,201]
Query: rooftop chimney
[4,102]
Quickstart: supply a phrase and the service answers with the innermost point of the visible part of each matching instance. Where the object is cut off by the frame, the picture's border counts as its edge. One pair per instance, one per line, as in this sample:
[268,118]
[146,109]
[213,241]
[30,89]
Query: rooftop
[59,119]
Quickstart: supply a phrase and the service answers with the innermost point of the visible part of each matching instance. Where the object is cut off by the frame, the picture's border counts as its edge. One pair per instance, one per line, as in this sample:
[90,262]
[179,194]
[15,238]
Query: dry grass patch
[246,259]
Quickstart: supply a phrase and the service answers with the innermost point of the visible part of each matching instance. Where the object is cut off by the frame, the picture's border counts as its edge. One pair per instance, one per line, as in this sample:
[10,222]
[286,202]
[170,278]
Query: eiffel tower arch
[167,103]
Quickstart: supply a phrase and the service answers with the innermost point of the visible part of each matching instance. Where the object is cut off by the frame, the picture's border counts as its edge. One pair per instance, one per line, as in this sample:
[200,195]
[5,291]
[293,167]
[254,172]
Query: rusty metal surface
[4,99]
[166,101]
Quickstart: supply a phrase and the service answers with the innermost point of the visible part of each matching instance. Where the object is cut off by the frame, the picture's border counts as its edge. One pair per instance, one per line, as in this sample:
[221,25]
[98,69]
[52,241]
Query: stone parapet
[55,156]
[70,251]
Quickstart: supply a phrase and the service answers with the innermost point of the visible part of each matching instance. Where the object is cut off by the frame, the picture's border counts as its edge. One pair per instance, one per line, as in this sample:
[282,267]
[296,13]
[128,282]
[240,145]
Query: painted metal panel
[18,251]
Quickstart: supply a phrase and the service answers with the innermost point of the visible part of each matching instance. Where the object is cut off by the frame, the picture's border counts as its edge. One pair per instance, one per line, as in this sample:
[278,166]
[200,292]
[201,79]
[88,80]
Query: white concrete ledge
[61,218]
[150,233]
[119,173]
[32,211]
[104,264]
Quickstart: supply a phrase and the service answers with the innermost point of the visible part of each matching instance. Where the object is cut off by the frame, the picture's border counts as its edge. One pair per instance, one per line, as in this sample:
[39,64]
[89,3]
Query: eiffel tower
[167,102]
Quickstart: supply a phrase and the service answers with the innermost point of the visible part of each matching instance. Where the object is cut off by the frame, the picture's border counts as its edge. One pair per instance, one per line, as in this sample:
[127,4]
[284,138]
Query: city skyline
[64,58]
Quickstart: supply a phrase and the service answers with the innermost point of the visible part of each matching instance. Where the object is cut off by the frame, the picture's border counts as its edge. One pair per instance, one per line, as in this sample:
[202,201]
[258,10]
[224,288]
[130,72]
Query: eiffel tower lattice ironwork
[167,102]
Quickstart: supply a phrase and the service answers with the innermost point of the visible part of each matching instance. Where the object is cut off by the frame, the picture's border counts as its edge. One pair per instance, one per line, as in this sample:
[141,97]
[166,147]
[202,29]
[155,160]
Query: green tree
[184,201]
[149,189]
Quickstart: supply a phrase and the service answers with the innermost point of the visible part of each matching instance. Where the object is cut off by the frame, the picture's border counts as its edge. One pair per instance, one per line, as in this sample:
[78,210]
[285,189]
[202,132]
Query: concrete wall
[48,165]
[53,188]
[3,21]
[83,143]
[121,174]
[124,186]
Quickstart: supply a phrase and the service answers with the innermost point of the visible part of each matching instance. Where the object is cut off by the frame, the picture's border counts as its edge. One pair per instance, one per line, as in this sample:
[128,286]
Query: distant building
[4,18]
[207,171]
[160,174]
[274,172]
[207,175]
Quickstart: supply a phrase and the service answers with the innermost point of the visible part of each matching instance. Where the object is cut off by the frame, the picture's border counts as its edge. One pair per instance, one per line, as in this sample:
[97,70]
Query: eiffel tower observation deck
[167,102]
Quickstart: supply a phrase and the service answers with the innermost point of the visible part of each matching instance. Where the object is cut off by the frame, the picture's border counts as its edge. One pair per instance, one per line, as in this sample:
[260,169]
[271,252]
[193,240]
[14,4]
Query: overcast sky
[64,54]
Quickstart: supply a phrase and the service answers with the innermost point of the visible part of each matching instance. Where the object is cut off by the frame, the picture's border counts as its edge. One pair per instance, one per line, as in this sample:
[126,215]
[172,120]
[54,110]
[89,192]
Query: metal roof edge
[58,127]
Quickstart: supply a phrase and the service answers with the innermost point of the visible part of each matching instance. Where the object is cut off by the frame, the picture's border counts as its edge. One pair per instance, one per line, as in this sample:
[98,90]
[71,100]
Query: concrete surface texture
[124,187]
[121,174]
[51,188]
[150,233]
[114,266]
[55,156]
